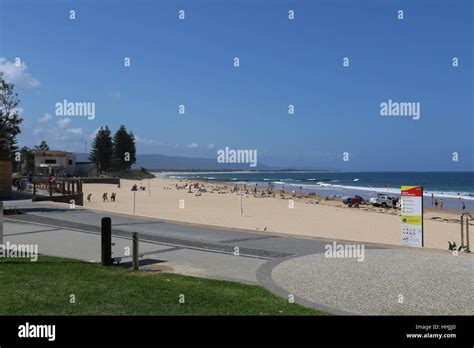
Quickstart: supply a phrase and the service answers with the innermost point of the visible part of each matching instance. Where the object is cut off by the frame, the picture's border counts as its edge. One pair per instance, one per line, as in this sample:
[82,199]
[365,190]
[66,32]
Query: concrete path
[388,281]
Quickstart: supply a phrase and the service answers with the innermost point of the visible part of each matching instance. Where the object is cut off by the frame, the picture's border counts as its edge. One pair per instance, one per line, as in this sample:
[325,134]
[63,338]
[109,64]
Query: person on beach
[441,204]
[436,203]
[432,199]
[112,197]
[463,207]
[104,197]
[89,197]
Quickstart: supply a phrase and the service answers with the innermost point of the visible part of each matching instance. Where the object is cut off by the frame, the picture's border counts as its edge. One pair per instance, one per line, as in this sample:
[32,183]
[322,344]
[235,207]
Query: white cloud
[45,118]
[146,141]
[38,131]
[64,122]
[77,131]
[193,145]
[173,145]
[211,146]
[59,138]
[17,75]
[114,94]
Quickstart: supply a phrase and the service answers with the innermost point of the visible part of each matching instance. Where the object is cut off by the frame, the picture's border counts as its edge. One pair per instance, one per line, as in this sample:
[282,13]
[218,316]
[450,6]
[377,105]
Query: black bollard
[106,241]
[135,251]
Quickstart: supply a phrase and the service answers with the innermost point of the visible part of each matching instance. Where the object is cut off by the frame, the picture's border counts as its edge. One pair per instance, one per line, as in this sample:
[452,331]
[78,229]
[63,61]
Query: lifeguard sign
[412,215]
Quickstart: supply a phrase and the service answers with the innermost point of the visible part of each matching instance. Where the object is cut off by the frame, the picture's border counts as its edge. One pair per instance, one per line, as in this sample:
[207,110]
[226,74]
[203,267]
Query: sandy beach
[288,214]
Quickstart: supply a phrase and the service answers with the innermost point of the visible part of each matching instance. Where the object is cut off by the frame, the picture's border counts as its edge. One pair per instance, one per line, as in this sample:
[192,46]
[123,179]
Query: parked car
[353,201]
[384,201]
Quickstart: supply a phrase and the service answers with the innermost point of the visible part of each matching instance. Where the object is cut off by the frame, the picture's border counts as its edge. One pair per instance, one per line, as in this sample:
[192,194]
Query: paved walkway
[388,281]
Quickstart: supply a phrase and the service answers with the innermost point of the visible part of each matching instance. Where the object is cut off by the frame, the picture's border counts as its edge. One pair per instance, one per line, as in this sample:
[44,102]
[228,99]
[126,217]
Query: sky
[337,122]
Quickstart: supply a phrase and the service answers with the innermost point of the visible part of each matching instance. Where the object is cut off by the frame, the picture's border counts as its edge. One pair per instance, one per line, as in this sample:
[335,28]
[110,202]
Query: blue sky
[283,62]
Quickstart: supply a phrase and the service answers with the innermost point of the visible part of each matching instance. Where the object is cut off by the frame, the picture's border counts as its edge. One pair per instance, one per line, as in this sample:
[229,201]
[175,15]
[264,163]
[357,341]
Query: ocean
[452,187]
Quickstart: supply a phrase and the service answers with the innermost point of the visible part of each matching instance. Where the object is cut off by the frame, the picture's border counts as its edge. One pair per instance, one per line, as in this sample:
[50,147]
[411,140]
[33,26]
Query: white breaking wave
[397,191]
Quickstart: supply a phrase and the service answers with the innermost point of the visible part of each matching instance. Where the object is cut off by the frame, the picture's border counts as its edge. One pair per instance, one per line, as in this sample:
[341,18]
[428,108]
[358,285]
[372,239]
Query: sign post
[134,189]
[412,216]
[134,200]
[241,208]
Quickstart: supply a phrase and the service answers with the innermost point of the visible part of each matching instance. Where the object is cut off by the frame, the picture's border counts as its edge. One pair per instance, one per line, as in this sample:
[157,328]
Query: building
[58,163]
[62,163]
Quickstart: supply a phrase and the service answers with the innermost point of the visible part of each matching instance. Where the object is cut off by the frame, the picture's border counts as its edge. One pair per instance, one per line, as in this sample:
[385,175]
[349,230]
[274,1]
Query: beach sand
[326,219]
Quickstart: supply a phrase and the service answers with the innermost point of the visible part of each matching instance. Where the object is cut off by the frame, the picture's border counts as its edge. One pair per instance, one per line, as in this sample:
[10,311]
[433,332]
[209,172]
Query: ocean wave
[317,179]
[309,187]
[397,191]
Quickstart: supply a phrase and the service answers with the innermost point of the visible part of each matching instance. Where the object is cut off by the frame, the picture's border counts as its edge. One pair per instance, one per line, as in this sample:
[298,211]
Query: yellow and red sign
[412,215]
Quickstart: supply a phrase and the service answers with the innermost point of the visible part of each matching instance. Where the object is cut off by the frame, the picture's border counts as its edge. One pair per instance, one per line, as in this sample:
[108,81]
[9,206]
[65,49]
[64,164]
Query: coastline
[337,185]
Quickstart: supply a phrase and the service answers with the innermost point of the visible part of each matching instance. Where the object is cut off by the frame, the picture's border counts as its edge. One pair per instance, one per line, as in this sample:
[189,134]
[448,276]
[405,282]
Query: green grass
[44,288]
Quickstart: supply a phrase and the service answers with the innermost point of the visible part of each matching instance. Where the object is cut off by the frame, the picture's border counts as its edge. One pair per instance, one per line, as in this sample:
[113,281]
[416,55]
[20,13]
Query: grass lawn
[44,288]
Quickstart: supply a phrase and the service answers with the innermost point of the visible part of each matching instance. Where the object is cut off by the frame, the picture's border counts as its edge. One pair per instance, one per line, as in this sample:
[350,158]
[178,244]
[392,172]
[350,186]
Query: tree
[10,118]
[27,164]
[102,149]
[43,146]
[124,149]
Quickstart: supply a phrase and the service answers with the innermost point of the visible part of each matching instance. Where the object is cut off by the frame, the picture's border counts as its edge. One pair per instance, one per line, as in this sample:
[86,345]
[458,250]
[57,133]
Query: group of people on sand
[135,187]
[105,197]
[198,187]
